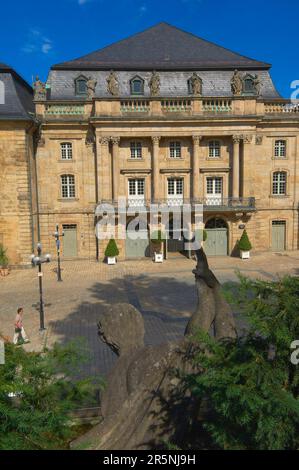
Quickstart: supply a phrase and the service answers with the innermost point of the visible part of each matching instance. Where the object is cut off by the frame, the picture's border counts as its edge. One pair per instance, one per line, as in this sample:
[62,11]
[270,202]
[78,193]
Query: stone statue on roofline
[91,87]
[154,84]
[112,84]
[40,92]
[257,84]
[195,84]
[237,83]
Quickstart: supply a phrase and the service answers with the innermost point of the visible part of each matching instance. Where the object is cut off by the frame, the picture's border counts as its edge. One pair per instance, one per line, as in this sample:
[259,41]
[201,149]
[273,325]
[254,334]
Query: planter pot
[158,257]
[4,271]
[111,260]
[244,254]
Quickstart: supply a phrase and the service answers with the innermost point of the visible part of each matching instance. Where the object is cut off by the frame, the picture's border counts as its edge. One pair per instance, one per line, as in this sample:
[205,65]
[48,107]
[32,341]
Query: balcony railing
[278,107]
[176,106]
[64,110]
[135,106]
[217,106]
[209,204]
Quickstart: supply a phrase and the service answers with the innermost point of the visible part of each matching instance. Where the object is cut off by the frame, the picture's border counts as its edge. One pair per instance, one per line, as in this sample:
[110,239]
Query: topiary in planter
[3,257]
[157,238]
[111,249]
[244,242]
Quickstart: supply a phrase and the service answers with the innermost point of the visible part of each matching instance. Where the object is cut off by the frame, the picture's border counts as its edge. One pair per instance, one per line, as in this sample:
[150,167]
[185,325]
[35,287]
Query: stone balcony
[218,204]
[185,107]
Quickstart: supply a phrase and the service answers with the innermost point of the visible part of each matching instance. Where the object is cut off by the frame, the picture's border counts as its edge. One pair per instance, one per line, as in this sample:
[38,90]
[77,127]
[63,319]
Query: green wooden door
[278,235]
[69,247]
[216,242]
[137,247]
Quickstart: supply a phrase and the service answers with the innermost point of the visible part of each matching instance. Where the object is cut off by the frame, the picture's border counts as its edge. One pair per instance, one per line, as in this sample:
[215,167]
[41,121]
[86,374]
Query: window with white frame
[136,188]
[175,149]
[66,151]
[175,187]
[279,185]
[68,186]
[214,149]
[280,148]
[136,150]
[214,185]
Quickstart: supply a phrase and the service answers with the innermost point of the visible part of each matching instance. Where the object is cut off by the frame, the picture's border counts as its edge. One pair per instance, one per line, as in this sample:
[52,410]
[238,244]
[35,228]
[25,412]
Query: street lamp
[38,261]
[57,236]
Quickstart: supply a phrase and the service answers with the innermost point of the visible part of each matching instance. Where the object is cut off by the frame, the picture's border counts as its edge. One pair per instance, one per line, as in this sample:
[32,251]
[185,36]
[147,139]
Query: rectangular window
[214,149]
[214,185]
[136,187]
[279,183]
[175,149]
[68,186]
[136,150]
[175,186]
[280,149]
[66,150]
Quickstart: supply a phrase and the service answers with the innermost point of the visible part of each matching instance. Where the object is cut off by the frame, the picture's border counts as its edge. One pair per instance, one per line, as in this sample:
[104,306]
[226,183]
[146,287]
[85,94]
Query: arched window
[137,86]
[215,223]
[279,183]
[66,150]
[81,85]
[2,92]
[68,186]
[214,149]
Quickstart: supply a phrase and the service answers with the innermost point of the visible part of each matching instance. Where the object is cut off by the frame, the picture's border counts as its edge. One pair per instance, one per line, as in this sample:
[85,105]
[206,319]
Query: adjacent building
[18,214]
[164,117]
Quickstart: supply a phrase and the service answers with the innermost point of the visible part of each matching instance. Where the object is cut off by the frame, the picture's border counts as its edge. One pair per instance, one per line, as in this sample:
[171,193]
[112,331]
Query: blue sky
[36,34]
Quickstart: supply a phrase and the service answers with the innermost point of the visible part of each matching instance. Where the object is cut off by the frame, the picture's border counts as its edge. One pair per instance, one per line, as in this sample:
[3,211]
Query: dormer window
[249,85]
[137,86]
[81,86]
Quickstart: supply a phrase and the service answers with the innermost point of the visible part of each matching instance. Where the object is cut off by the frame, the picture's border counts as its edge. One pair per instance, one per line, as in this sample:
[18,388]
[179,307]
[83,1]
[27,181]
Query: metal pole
[58,265]
[41,303]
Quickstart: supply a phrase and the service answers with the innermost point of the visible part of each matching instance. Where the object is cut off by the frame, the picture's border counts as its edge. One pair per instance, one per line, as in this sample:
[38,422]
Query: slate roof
[162,47]
[18,95]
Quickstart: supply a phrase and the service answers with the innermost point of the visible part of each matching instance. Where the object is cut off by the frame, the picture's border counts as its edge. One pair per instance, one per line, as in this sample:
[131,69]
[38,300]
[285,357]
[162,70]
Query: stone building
[165,116]
[18,215]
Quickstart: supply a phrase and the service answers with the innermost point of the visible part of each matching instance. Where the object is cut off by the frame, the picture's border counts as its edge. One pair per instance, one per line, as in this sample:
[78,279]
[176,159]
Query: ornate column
[155,167]
[104,166]
[236,165]
[247,180]
[195,167]
[115,166]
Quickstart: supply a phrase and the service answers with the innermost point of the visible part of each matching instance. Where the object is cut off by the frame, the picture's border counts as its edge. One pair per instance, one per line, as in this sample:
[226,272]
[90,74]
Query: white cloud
[37,42]
[142,9]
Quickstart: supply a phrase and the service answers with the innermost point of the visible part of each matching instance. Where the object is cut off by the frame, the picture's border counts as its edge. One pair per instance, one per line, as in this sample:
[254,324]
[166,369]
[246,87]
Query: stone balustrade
[185,106]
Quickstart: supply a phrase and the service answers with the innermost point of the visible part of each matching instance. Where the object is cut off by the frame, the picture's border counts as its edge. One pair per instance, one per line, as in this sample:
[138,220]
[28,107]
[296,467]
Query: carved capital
[104,140]
[115,140]
[156,139]
[247,138]
[258,139]
[196,139]
[237,139]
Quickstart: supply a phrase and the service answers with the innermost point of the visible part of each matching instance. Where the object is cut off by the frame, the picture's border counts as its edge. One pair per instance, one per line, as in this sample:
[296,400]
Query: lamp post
[38,261]
[57,236]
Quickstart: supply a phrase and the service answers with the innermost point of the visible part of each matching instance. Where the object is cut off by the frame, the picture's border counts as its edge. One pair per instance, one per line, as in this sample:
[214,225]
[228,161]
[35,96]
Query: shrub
[244,242]
[3,257]
[249,385]
[111,249]
[38,392]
